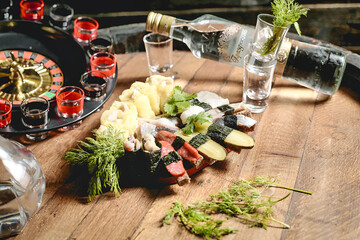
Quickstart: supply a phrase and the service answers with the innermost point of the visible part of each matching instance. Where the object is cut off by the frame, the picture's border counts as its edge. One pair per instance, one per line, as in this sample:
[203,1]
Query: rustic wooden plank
[279,144]
[209,77]
[330,168]
[56,172]
[309,143]
[200,187]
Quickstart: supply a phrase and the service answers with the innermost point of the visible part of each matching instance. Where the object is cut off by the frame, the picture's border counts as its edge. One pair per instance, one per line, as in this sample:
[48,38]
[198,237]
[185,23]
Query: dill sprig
[99,156]
[242,200]
[197,222]
[286,13]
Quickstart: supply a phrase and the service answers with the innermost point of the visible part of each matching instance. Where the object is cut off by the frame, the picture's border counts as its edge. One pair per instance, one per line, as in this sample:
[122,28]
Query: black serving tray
[65,51]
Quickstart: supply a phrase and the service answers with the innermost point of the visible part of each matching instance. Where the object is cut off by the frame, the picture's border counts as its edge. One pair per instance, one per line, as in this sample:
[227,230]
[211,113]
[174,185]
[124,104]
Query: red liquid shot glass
[32,9]
[103,62]
[70,102]
[5,112]
[85,28]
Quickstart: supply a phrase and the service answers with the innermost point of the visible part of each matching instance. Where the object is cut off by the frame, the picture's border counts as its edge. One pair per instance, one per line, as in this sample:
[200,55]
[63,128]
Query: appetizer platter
[160,133]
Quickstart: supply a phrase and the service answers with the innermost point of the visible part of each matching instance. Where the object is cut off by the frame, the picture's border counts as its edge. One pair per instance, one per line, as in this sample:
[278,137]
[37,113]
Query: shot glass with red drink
[85,28]
[104,62]
[5,112]
[70,102]
[32,9]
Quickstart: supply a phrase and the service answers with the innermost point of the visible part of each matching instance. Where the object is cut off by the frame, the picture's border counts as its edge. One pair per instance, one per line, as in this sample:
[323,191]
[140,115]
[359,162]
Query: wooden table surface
[308,142]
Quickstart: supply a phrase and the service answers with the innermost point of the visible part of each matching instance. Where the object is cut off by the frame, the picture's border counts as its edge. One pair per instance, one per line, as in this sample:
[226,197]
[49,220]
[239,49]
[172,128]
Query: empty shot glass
[61,15]
[257,83]
[159,50]
[94,84]
[35,112]
[5,112]
[70,102]
[32,9]
[104,62]
[100,43]
[84,29]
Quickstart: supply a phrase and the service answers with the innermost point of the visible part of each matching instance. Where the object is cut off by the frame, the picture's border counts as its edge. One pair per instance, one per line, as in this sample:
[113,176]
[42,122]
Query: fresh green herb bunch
[199,118]
[178,102]
[99,156]
[286,13]
[243,200]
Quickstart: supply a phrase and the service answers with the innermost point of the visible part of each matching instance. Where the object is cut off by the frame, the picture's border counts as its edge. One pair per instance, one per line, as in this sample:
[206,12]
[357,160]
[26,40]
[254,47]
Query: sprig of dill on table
[99,156]
[286,13]
[243,200]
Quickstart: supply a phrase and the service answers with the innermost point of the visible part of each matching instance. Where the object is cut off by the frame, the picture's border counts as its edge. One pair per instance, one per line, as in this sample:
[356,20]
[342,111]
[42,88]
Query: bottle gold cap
[158,23]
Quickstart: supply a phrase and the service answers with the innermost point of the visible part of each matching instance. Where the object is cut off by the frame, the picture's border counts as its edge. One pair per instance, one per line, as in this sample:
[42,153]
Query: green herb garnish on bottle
[286,13]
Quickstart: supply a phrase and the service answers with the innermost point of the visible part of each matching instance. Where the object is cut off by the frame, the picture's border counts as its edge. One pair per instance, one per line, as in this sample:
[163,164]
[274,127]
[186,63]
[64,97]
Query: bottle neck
[159,23]
[283,56]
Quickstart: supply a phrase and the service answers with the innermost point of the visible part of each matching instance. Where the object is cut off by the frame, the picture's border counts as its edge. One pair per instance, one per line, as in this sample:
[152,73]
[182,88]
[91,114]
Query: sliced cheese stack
[142,99]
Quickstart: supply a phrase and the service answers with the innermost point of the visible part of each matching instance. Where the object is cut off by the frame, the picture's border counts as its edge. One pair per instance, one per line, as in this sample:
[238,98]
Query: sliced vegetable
[229,137]
[171,160]
[185,150]
[211,150]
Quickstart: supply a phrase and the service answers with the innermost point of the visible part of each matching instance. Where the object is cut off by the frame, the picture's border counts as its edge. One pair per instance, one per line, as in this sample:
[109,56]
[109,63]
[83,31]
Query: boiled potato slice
[125,120]
[141,102]
[150,92]
[164,87]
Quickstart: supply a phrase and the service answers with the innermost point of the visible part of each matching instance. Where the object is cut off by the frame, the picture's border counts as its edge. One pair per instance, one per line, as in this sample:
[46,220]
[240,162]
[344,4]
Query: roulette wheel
[36,60]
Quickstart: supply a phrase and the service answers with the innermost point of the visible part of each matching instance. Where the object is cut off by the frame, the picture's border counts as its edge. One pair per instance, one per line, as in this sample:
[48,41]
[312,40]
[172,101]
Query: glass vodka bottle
[317,67]
[22,185]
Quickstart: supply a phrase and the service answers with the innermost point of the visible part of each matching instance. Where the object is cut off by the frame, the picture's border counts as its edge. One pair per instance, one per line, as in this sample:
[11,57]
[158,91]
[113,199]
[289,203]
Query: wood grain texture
[308,142]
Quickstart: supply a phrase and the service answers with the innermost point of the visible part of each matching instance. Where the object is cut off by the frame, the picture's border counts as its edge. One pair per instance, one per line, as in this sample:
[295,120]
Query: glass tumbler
[5,112]
[61,15]
[85,28]
[32,9]
[104,62]
[35,115]
[70,101]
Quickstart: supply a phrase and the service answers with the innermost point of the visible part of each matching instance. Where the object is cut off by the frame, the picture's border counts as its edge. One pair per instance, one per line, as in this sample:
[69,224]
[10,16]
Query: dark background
[336,22]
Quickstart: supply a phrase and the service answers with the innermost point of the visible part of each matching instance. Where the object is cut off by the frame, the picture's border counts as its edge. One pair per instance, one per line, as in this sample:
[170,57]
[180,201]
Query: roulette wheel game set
[36,60]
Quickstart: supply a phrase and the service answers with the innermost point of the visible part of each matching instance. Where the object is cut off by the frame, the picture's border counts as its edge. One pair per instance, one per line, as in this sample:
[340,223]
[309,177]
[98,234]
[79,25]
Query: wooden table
[308,142]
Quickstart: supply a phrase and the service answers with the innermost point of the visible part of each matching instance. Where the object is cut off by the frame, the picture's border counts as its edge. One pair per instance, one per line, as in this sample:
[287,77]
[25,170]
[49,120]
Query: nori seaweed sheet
[230,121]
[171,157]
[226,109]
[178,143]
[154,158]
[218,133]
[205,106]
[199,140]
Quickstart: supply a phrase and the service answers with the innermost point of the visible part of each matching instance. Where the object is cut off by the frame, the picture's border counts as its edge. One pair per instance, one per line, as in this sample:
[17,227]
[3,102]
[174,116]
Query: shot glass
[257,83]
[61,15]
[85,28]
[5,112]
[267,38]
[94,84]
[100,43]
[159,50]
[32,9]
[104,62]
[35,112]
[70,101]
